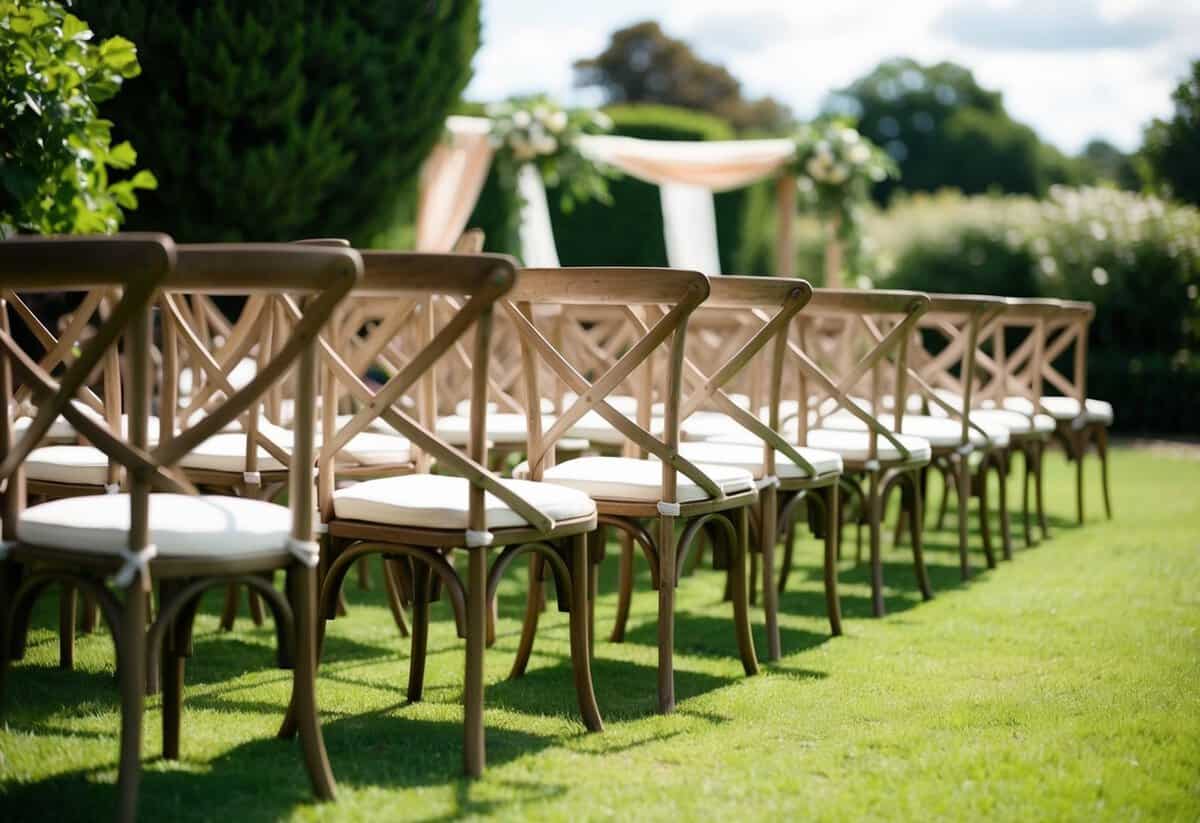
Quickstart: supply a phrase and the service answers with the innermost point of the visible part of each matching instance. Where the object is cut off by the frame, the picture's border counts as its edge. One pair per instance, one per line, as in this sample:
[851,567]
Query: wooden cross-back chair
[756,314]
[842,340]
[161,531]
[631,491]
[966,446]
[419,519]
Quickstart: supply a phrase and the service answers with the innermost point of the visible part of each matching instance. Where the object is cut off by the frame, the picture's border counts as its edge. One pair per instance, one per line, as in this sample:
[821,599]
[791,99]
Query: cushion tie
[136,563]
[667,509]
[252,478]
[307,552]
[965,449]
[112,488]
[871,465]
[479,539]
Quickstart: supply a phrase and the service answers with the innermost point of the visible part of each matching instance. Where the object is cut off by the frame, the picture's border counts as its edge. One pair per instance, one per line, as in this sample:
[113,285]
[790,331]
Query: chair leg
[666,614]
[230,609]
[874,515]
[1000,462]
[789,542]
[941,515]
[131,662]
[66,627]
[1080,446]
[303,585]
[768,505]
[391,587]
[916,534]
[741,605]
[962,477]
[595,545]
[581,664]
[90,615]
[753,579]
[1027,460]
[533,610]
[172,672]
[256,609]
[474,750]
[833,605]
[985,528]
[624,586]
[363,570]
[1102,449]
[1039,487]
[420,631]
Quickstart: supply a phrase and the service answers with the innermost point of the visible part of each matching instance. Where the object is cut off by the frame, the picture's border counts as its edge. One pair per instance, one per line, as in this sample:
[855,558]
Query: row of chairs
[413,406]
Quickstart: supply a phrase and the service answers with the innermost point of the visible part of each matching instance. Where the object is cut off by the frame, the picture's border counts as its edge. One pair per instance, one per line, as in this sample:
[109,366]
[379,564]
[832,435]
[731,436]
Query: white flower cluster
[839,154]
[539,129]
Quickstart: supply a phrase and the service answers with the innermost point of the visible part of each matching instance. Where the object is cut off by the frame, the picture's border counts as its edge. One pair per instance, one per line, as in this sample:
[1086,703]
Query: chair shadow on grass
[264,779]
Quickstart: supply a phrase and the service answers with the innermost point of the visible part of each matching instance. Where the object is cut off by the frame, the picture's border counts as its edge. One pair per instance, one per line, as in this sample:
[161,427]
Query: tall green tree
[945,130]
[1171,153]
[279,119]
[642,64]
[55,150]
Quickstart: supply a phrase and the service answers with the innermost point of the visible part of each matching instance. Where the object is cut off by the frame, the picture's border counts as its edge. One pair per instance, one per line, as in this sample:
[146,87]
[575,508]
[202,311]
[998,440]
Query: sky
[1072,69]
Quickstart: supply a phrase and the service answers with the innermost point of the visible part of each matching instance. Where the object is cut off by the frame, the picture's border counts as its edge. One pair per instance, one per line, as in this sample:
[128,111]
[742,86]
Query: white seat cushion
[750,458]
[940,432]
[503,428]
[1015,422]
[623,403]
[227,451]
[707,425]
[209,526]
[440,502]
[1065,408]
[855,445]
[595,429]
[62,430]
[80,465]
[631,479]
[59,430]
[463,407]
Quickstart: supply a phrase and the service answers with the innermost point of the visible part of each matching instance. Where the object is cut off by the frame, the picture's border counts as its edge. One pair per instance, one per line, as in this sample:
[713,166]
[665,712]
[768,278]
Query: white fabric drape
[717,165]
[538,249]
[690,227]
[451,180]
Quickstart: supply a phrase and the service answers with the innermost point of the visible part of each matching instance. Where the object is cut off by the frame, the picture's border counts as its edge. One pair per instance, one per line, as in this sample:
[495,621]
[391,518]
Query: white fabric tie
[668,509]
[476,539]
[252,478]
[136,563]
[112,488]
[871,465]
[321,528]
[1079,422]
[307,552]
[965,449]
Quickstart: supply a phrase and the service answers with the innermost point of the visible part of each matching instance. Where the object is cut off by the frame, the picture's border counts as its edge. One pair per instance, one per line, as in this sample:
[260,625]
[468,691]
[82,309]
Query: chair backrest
[760,311]
[945,352]
[321,276]
[846,337]
[476,282]
[1029,338]
[134,266]
[669,296]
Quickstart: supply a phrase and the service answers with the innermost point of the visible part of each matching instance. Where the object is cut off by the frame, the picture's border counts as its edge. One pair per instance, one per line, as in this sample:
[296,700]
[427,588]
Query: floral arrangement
[835,167]
[539,131]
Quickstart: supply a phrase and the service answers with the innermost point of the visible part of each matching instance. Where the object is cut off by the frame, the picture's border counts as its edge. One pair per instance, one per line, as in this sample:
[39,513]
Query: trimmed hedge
[279,119]
[629,232]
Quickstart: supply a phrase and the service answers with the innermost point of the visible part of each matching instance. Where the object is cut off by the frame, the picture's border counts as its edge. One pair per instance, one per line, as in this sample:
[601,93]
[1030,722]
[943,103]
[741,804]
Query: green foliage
[945,130]
[1171,154]
[642,64]
[55,150]
[279,119]
[1136,257]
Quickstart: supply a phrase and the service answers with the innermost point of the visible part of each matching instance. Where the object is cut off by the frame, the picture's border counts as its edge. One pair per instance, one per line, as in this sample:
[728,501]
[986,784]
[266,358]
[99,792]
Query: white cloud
[1068,88]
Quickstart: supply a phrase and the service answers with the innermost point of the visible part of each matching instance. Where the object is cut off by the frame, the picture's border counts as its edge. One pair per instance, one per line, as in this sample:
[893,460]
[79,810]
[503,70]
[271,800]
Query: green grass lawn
[1063,685]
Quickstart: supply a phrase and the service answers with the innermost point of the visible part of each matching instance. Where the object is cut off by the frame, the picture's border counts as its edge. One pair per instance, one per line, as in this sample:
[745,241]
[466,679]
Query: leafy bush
[278,119]
[630,231]
[1136,257]
[55,151]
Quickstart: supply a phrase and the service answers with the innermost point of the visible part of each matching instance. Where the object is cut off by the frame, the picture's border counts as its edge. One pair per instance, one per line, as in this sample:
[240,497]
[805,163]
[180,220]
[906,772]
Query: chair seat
[226,452]
[181,526]
[463,407]
[750,458]
[1015,422]
[78,465]
[623,403]
[855,445]
[940,432]
[440,502]
[60,429]
[629,479]
[239,376]
[708,425]
[595,429]
[1065,408]
[503,428]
